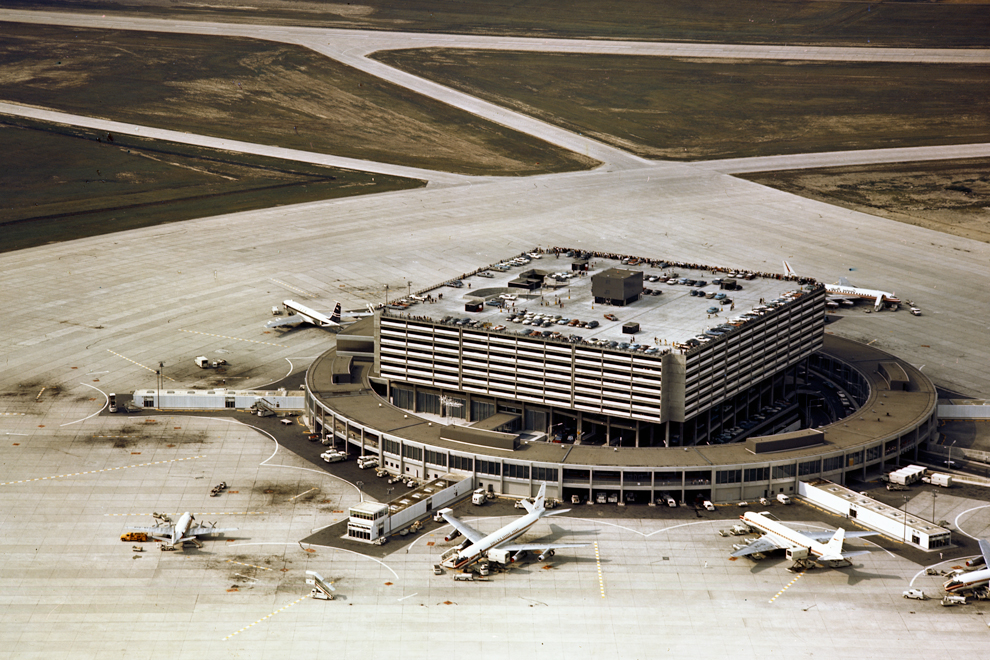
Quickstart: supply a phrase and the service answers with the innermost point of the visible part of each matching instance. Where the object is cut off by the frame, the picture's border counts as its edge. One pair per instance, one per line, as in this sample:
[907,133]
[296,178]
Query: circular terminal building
[618,379]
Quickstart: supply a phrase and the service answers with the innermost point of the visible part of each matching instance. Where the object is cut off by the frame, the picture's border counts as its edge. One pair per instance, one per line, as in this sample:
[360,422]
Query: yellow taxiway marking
[598,561]
[122,467]
[267,616]
[264,568]
[293,288]
[786,587]
[210,334]
[301,494]
[138,364]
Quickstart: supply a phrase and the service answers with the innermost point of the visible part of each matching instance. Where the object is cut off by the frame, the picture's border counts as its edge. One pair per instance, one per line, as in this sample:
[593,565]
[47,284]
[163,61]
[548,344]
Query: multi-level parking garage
[619,377]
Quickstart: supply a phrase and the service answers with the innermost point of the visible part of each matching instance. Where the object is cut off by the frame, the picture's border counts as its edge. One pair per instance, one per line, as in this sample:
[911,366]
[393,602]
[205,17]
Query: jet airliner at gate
[844,292]
[497,546]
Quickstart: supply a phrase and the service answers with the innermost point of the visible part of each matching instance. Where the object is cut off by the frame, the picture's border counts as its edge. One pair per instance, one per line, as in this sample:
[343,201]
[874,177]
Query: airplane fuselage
[181,527]
[784,534]
[510,532]
[968,581]
[856,292]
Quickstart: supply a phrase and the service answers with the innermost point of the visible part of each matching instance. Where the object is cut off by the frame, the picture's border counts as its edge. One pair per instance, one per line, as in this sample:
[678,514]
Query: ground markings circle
[786,587]
[121,467]
[210,334]
[268,616]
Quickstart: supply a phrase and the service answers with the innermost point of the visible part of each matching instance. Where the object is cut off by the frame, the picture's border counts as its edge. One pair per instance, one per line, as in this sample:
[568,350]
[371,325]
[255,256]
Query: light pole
[905,517]
[409,284]
[386,295]
[934,497]
[160,377]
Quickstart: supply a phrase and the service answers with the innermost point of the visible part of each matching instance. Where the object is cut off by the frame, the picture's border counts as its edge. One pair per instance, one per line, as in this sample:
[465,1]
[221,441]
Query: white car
[916,594]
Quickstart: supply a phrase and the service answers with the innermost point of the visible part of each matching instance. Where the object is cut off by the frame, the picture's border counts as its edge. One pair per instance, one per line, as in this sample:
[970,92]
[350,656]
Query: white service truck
[939,479]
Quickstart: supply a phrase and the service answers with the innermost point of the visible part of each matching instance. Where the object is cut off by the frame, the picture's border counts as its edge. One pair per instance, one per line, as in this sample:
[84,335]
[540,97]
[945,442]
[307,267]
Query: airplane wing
[855,553]
[469,532]
[844,282]
[207,530]
[762,544]
[155,531]
[288,321]
[825,537]
[540,547]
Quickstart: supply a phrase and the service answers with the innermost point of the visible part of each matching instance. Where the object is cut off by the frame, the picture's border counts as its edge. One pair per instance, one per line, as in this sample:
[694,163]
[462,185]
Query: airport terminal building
[617,377]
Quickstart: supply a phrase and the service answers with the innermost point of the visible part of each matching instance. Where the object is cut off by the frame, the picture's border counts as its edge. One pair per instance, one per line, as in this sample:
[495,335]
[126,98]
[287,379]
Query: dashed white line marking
[122,467]
[210,334]
[138,364]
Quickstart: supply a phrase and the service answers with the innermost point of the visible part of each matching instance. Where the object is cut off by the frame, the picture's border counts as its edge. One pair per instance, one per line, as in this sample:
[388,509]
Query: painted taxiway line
[267,616]
[138,364]
[786,587]
[598,561]
[292,288]
[240,563]
[252,341]
[301,494]
[121,467]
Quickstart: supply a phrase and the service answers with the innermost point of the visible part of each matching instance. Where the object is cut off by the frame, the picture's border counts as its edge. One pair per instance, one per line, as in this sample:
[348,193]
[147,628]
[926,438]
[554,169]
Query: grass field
[964,24]
[947,196]
[259,92]
[69,183]
[678,109]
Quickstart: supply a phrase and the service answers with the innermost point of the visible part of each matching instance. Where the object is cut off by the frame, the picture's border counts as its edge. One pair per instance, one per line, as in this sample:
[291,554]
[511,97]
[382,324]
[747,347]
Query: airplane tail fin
[789,271]
[335,317]
[833,549]
[539,504]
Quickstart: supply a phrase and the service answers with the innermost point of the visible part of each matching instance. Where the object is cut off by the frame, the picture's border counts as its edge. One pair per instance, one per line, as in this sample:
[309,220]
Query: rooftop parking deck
[551,294]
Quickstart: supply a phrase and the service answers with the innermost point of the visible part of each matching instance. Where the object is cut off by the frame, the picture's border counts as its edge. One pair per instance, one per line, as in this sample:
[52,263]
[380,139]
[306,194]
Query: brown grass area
[259,92]
[941,24]
[947,196]
[689,109]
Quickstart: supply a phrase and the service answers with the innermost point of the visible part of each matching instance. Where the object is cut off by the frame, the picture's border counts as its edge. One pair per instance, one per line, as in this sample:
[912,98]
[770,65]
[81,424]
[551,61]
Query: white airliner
[974,579]
[845,293]
[496,546]
[301,314]
[181,531]
[823,548]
